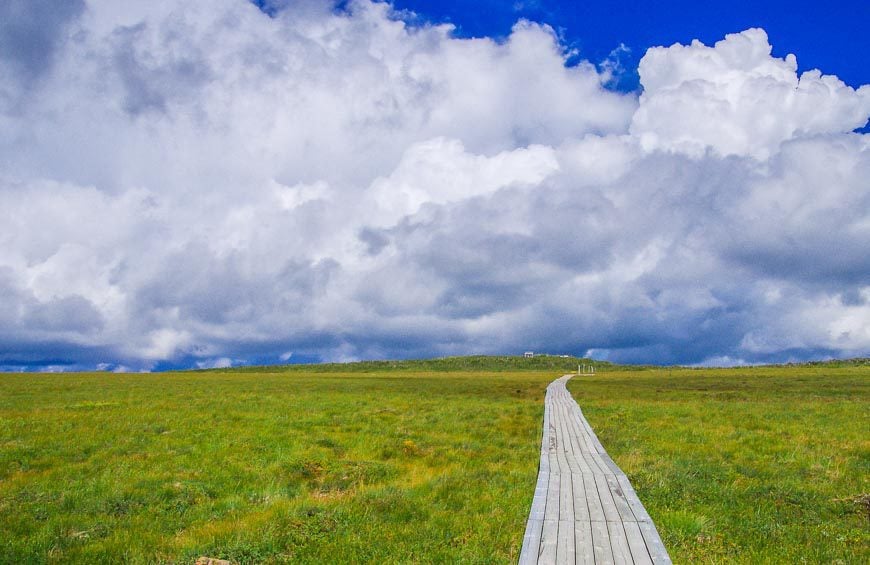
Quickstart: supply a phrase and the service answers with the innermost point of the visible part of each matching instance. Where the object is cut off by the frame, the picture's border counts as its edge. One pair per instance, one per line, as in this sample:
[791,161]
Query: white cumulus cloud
[736,99]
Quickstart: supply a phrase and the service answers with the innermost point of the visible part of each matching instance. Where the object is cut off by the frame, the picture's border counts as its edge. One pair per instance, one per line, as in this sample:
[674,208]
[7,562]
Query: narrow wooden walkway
[584,509]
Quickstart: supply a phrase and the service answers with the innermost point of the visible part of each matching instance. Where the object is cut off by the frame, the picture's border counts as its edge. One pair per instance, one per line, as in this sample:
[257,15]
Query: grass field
[752,465]
[400,465]
[420,462]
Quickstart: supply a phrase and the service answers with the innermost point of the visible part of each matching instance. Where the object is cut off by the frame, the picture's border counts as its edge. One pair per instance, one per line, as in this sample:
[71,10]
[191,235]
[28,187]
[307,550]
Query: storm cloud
[201,183]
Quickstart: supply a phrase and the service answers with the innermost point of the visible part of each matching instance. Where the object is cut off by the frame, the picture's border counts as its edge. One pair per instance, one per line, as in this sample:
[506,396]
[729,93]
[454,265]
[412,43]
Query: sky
[826,35]
[214,183]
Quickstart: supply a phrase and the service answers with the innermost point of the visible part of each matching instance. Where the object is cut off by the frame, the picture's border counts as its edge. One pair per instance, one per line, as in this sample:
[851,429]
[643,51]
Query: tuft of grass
[682,525]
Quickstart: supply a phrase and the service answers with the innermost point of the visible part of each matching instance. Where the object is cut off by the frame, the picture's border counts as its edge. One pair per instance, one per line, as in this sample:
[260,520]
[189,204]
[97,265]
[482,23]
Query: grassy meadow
[429,461]
[749,465]
[295,466]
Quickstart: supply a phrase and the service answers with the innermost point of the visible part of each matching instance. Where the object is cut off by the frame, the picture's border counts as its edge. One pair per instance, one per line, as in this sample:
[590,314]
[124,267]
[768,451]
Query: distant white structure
[529,354]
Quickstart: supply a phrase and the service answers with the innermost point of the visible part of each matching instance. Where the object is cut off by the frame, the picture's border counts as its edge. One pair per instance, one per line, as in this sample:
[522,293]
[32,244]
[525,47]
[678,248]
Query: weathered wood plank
[592,437]
[578,491]
[654,544]
[601,544]
[544,463]
[565,550]
[605,458]
[593,499]
[637,508]
[598,468]
[534,527]
[567,442]
[619,499]
[581,466]
[531,542]
[588,449]
[583,553]
[566,498]
[618,543]
[611,514]
[552,510]
[594,456]
[636,543]
[580,450]
[550,531]
[554,463]
[539,502]
[561,442]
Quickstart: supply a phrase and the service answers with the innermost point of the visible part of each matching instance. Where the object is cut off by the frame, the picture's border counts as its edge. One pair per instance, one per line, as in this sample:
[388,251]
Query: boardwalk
[584,510]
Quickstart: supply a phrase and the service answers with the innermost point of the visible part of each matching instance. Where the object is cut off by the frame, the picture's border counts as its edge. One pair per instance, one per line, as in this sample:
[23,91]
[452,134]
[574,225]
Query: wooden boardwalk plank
[531,542]
[583,554]
[566,498]
[581,505]
[552,511]
[539,502]
[547,555]
[590,452]
[565,553]
[593,499]
[611,514]
[554,463]
[625,513]
[654,544]
[619,543]
[581,450]
[584,509]
[637,508]
[567,442]
[636,543]
[605,458]
[562,441]
[601,543]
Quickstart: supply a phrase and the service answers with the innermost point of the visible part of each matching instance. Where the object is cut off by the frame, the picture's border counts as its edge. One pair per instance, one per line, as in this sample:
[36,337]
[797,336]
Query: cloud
[439,171]
[203,184]
[219,363]
[735,99]
[30,33]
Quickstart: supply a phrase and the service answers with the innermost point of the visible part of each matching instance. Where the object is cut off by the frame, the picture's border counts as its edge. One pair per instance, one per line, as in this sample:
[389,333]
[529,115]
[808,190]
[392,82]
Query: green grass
[758,465]
[259,467]
[430,461]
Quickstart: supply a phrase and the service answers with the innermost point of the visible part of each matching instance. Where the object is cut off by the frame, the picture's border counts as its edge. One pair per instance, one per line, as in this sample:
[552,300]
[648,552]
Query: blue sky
[826,35]
[212,183]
